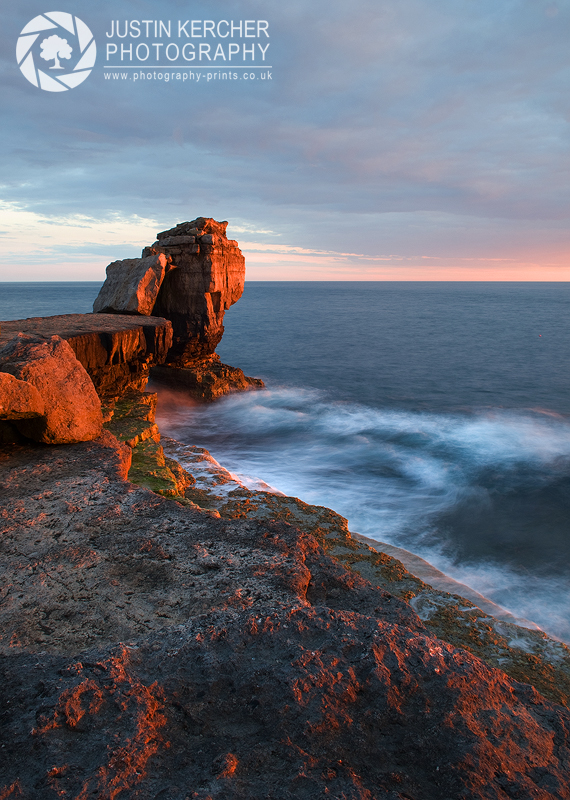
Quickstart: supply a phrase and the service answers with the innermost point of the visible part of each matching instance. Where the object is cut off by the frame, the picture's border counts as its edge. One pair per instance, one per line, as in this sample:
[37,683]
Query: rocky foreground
[152,648]
[166,632]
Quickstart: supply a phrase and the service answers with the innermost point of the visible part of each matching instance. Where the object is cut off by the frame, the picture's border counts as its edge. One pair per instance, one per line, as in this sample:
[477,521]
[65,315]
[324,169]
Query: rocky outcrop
[206,378]
[200,275]
[72,408]
[117,351]
[209,278]
[151,650]
[132,285]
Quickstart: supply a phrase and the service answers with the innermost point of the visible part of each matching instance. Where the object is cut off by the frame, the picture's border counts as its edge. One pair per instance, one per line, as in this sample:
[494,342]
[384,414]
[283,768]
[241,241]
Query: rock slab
[132,285]
[72,410]
[117,350]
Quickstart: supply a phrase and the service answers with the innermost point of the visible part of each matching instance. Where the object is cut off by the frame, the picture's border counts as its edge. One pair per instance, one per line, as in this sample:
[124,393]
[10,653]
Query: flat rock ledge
[153,648]
[207,379]
[116,350]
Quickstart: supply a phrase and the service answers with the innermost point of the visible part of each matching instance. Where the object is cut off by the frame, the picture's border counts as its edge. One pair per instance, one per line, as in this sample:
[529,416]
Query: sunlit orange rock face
[72,408]
[149,650]
[207,279]
[116,350]
[19,399]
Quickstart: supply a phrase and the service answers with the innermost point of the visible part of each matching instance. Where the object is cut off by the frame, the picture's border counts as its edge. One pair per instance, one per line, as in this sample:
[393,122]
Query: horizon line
[338,280]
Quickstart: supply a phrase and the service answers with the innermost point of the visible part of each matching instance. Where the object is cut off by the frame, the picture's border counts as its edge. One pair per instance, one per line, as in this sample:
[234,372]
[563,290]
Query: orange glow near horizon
[513,256]
[313,266]
[281,262]
[290,267]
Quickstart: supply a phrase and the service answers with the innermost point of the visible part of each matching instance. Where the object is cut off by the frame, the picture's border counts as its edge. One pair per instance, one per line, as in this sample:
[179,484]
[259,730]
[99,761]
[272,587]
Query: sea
[433,416]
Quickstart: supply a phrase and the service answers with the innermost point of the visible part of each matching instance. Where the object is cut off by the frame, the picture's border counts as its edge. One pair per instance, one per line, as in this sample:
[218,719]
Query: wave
[483,495]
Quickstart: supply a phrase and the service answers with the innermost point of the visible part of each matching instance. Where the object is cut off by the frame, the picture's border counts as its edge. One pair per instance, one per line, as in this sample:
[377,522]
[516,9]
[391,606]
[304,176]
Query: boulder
[19,399]
[132,285]
[72,407]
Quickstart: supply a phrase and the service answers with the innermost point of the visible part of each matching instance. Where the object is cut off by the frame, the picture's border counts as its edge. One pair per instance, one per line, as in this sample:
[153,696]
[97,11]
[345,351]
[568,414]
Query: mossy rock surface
[131,419]
[151,469]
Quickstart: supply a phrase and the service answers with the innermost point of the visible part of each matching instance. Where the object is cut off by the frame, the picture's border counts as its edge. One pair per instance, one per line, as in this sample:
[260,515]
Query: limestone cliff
[116,350]
[191,275]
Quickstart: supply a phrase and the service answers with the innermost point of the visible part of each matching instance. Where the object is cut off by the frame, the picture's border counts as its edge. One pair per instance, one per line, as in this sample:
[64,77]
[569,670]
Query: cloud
[418,128]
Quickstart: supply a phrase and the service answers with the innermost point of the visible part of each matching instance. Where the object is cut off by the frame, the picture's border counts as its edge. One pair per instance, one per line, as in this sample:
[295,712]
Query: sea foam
[484,495]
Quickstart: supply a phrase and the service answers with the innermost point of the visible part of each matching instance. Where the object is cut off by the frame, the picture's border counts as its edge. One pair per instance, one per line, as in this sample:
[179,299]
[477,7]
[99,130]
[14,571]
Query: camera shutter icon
[69,39]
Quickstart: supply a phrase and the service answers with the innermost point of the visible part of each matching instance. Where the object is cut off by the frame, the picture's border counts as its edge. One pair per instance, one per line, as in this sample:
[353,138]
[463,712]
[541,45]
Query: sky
[387,140]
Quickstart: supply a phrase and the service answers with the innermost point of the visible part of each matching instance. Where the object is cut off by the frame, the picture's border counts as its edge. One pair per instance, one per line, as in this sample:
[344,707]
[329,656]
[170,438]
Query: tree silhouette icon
[55,47]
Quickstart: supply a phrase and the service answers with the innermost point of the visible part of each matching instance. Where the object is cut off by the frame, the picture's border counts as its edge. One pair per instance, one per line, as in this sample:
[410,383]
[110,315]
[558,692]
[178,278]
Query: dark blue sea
[434,416]
[22,300]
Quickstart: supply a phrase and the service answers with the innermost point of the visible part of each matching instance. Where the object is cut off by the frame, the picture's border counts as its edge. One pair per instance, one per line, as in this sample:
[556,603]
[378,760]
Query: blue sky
[406,139]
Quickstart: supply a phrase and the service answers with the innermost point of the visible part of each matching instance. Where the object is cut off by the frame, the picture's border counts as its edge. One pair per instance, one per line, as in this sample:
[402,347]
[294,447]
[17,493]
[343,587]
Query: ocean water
[434,416]
[44,299]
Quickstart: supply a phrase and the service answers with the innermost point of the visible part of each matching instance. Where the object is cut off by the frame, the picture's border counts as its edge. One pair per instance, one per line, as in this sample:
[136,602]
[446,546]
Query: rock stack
[190,275]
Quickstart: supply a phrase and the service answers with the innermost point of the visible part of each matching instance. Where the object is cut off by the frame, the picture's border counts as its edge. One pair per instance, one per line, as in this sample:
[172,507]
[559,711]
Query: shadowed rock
[72,410]
[19,399]
[206,379]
